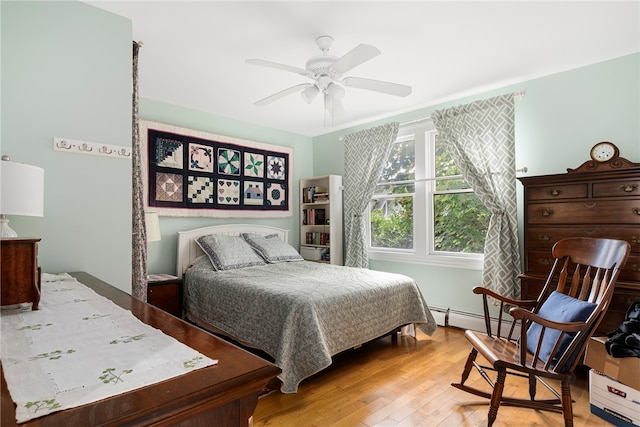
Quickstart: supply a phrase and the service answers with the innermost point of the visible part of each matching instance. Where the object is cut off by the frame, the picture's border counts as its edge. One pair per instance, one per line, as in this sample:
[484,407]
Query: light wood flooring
[407,384]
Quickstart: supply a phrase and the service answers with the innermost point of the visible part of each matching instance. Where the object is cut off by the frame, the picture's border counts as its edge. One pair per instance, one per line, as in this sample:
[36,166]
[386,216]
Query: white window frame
[423,251]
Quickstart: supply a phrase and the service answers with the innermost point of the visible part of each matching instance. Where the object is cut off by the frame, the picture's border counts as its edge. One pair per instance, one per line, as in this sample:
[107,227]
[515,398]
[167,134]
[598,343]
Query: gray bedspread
[302,313]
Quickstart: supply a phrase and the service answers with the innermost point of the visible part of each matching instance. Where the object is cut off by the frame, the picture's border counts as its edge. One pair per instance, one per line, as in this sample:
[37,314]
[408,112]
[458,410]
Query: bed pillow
[559,308]
[229,252]
[203,262]
[272,248]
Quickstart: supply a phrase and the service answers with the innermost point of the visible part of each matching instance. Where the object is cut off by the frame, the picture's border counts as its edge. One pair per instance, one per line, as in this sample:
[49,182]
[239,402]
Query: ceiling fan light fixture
[310,93]
[335,91]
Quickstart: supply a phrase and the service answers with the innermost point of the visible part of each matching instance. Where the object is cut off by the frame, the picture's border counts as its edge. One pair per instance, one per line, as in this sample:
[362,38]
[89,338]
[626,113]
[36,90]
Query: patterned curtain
[480,138]
[139,231]
[364,155]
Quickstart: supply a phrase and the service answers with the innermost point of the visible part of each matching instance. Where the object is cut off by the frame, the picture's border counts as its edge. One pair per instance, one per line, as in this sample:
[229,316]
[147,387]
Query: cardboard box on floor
[625,370]
[613,401]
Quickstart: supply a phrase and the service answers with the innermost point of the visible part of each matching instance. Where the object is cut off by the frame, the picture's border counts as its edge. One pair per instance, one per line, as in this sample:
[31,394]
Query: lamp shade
[21,189]
[153,226]
[310,93]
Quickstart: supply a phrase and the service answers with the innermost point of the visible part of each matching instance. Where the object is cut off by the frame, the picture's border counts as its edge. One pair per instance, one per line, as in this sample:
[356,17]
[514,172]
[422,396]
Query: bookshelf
[321,219]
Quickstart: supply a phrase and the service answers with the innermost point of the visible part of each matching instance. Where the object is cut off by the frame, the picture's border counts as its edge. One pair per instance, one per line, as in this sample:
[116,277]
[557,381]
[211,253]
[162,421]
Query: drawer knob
[629,188]
[544,237]
[636,211]
[590,205]
[634,239]
[589,232]
[544,261]
[635,267]
[555,192]
[545,212]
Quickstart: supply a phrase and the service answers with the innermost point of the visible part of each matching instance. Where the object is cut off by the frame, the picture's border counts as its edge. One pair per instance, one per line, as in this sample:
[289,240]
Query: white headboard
[188,249]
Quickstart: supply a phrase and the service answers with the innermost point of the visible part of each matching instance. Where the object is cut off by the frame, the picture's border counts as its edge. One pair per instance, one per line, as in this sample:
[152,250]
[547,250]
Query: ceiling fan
[327,71]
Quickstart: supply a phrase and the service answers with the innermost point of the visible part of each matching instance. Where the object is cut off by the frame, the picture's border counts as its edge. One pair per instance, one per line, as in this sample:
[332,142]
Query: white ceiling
[194,52]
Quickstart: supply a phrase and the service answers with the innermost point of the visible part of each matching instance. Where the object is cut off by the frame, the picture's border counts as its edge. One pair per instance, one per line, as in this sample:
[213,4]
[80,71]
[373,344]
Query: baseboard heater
[465,320]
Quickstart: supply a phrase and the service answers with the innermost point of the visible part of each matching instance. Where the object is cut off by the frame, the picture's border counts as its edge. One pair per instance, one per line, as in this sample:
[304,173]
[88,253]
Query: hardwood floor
[407,384]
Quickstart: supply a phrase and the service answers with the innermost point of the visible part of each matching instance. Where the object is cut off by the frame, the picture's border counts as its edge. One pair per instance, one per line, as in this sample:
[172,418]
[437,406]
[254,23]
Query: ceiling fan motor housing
[321,65]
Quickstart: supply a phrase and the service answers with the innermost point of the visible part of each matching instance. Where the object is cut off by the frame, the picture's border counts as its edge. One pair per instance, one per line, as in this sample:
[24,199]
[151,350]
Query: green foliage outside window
[392,215]
[460,218]
[395,230]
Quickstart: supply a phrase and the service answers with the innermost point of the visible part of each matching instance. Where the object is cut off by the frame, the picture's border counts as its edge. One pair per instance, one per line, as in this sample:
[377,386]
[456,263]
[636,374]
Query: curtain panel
[365,153]
[139,232]
[480,138]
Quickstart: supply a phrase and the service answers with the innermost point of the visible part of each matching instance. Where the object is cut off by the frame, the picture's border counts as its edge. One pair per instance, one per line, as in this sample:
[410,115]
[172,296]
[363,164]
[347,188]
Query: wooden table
[223,395]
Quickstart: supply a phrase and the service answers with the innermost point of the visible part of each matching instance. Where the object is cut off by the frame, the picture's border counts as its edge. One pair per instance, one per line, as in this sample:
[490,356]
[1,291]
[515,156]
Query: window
[422,210]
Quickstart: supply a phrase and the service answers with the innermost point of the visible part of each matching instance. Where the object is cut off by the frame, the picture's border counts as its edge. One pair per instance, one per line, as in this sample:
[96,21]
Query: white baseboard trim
[465,320]
[440,314]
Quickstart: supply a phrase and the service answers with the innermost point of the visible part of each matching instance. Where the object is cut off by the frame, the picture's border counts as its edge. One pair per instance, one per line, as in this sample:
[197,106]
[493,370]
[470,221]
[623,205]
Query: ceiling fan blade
[378,86]
[355,57]
[269,99]
[278,66]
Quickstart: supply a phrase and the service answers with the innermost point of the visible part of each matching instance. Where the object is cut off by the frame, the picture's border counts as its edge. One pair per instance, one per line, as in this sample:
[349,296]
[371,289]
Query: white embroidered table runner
[79,348]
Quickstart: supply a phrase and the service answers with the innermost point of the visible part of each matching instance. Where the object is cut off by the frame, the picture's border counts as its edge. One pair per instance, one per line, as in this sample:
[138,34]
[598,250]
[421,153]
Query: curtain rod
[520,94]
[523,169]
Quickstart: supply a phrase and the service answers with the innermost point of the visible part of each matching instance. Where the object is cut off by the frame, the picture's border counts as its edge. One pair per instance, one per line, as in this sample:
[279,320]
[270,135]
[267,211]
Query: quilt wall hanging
[192,173]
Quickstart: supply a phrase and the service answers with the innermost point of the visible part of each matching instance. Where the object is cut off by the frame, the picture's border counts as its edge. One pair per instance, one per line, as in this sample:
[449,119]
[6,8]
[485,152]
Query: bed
[301,313]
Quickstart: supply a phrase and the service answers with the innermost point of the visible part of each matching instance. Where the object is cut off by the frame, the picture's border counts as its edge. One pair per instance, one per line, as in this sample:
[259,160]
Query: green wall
[66,72]
[561,117]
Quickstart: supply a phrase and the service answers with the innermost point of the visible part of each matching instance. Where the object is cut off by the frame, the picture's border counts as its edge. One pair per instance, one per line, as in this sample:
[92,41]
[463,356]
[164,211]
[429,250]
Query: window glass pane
[385,189]
[460,223]
[401,164]
[444,166]
[392,222]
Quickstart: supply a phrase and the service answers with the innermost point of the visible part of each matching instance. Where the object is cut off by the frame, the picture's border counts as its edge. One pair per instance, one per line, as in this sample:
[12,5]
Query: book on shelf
[313,217]
[314,194]
[319,216]
[316,238]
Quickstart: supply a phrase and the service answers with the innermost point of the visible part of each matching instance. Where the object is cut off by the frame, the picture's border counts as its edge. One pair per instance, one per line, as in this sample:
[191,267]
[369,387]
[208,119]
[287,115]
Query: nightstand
[20,281]
[165,292]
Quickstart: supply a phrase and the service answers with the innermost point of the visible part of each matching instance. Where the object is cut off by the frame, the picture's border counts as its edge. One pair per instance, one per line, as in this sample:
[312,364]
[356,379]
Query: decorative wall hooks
[94,148]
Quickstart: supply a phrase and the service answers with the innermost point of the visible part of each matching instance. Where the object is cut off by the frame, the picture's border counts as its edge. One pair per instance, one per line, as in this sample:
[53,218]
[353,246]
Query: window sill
[470,262]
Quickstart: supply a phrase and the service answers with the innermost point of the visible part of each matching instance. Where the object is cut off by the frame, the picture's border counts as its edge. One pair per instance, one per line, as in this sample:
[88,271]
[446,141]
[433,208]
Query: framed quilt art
[193,173]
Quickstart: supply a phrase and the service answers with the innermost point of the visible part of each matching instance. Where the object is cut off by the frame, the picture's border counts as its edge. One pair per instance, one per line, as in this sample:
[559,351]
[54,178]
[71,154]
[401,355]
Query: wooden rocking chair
[554,328]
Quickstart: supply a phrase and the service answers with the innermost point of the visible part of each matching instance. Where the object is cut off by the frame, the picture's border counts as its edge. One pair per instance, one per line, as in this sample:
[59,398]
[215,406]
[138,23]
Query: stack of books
[315,194]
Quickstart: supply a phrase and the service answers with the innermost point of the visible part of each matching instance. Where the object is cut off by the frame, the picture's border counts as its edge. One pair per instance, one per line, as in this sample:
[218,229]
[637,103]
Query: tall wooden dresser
[601,198]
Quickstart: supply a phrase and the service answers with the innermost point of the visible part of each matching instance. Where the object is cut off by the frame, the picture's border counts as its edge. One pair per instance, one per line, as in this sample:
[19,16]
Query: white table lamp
[21,192]
[153,226]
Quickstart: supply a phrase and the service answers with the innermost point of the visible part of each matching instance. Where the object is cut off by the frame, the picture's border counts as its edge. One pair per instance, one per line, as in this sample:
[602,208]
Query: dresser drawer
[631,269]
[587,212]
[621,188]
[544,237]
[540,262]
[558,192]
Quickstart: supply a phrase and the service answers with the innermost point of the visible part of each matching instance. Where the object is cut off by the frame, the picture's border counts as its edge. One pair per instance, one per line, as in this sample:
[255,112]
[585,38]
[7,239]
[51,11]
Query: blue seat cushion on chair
[558,308]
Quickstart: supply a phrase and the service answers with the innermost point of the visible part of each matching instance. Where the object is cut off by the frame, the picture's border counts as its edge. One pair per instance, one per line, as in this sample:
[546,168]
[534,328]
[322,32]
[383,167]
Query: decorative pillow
[559,308]
[203,262]
[229,252]
[272,248]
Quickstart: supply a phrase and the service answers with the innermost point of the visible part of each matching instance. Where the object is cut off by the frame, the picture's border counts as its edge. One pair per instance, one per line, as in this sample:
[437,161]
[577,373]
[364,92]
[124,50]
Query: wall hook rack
[93,148]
